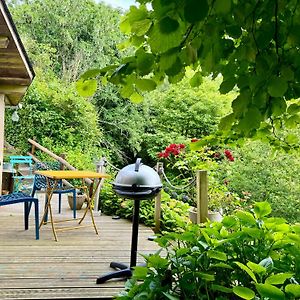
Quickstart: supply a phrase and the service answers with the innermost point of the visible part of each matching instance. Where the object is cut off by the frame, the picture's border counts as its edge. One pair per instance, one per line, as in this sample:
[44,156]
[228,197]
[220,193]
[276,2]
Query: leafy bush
[262,173]
[246,256]
[175,215]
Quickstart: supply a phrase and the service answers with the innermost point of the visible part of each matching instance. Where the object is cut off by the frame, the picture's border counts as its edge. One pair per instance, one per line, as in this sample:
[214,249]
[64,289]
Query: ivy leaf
[270,291]
[196,80]
[243,292]
[262,209]
[279,278]
[277,87]
[86,88]
[195,10]
[293,289]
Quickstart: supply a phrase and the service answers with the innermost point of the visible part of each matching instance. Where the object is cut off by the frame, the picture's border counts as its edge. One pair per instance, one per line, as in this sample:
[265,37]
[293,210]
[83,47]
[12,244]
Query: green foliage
[175,216]
[62,122]
[248,255]
[259,172]
[253,45]
[177,113]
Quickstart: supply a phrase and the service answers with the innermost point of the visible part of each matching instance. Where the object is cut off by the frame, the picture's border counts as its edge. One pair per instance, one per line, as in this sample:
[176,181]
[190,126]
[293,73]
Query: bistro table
[53,180]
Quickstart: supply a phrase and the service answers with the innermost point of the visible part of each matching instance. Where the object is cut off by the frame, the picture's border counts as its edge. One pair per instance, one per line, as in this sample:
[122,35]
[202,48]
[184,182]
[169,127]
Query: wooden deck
[67,269]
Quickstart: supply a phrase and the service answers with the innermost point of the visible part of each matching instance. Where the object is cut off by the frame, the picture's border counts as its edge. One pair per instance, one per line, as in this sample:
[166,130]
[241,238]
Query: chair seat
[20,197]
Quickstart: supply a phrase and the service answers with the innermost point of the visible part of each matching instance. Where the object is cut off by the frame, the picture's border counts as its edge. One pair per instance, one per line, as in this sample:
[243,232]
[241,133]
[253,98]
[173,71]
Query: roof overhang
[16,72]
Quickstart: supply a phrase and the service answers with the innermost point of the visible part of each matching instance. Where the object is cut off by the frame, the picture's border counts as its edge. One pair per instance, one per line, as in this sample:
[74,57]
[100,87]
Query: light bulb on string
[15,117]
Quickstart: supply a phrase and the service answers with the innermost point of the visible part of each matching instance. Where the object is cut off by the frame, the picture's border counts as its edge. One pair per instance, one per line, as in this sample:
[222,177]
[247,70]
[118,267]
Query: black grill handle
[137,164]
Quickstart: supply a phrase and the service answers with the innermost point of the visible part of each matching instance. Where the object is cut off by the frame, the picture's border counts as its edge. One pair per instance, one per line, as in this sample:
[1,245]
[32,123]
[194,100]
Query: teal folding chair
[23,177]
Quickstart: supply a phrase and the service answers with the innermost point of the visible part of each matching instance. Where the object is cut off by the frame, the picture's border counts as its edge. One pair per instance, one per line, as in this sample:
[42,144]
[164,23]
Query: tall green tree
[254,45]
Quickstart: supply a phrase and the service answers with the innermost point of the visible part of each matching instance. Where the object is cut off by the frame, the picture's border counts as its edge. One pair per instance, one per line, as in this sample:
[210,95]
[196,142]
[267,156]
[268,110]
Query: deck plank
[67,269]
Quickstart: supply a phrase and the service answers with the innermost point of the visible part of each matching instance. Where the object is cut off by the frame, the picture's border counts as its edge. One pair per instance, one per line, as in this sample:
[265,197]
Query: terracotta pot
[79,201]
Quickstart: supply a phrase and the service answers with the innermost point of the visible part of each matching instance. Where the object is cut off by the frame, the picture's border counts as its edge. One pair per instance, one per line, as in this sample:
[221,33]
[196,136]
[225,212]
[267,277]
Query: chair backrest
[19,161]
[40,181]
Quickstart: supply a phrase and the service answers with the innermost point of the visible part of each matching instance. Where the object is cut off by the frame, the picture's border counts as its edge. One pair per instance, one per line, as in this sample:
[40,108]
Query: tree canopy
[253,45]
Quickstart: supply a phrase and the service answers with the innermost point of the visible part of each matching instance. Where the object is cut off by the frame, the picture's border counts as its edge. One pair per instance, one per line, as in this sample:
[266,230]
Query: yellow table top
[70,174]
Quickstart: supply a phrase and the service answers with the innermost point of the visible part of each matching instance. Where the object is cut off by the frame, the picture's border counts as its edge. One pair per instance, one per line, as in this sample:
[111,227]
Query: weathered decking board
[67,269]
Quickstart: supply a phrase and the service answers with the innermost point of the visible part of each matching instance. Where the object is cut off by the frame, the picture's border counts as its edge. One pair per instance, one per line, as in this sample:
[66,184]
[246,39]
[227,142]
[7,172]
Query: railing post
[202,197]
[100,168]
[63,156]
[157,212]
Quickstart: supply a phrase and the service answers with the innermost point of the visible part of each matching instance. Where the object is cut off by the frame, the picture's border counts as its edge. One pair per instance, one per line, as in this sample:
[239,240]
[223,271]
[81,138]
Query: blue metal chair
[40,183]
[20,197]
[23,177]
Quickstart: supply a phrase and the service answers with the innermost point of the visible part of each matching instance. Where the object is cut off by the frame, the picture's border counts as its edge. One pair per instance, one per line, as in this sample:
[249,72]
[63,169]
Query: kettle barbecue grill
[137,182]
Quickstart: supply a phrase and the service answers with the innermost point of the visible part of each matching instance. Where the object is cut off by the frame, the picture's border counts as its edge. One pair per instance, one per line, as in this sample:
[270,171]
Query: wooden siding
[67,269]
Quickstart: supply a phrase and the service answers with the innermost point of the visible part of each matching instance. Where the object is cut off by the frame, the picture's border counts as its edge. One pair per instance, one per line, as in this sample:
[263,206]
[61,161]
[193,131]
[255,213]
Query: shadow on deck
[67,269]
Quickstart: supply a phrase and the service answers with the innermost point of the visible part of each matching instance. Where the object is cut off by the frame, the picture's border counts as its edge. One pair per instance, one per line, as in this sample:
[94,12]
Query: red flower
[181,146]
[194,140]
[229,155]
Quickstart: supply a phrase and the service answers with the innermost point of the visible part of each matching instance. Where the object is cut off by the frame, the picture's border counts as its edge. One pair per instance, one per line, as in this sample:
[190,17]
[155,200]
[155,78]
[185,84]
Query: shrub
[246,256]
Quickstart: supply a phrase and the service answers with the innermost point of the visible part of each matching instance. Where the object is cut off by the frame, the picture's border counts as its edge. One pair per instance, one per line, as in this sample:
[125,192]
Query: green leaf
[246,217]
[222,6]
[141,27]
[293,121]
[196,80]
[293,109]
[293,289]
[205,276]
[140,273]
[262,209]
[256,268]
[222,265]
[278,106]
[168,25]
[251,120]
[247,270]
[86,88]
[169,296]
[267,263]
[279,278]
[243,292]
[292,139]
[145,84]
[227,85]
[220,288]
[226,122]
[240,103]
[229,221]
[277,87]
[90,74]
[217,255]
[136,98]
[270,291]
[195,10]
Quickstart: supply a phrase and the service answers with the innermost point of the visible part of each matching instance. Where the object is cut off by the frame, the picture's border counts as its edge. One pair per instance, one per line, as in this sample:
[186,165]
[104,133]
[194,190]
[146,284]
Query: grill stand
[122,270]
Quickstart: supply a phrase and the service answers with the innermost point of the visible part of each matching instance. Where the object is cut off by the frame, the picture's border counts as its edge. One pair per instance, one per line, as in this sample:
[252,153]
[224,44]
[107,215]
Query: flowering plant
[181,164]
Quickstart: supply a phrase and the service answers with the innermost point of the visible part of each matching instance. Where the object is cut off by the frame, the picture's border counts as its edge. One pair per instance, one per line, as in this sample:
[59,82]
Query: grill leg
[123,270]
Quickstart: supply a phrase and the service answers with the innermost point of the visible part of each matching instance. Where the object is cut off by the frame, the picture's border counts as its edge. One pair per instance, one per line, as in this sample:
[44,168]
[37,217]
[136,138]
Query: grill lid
[137,175]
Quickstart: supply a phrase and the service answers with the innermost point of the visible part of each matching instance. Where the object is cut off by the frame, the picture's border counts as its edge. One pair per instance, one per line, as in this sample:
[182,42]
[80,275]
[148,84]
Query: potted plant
[80,199]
